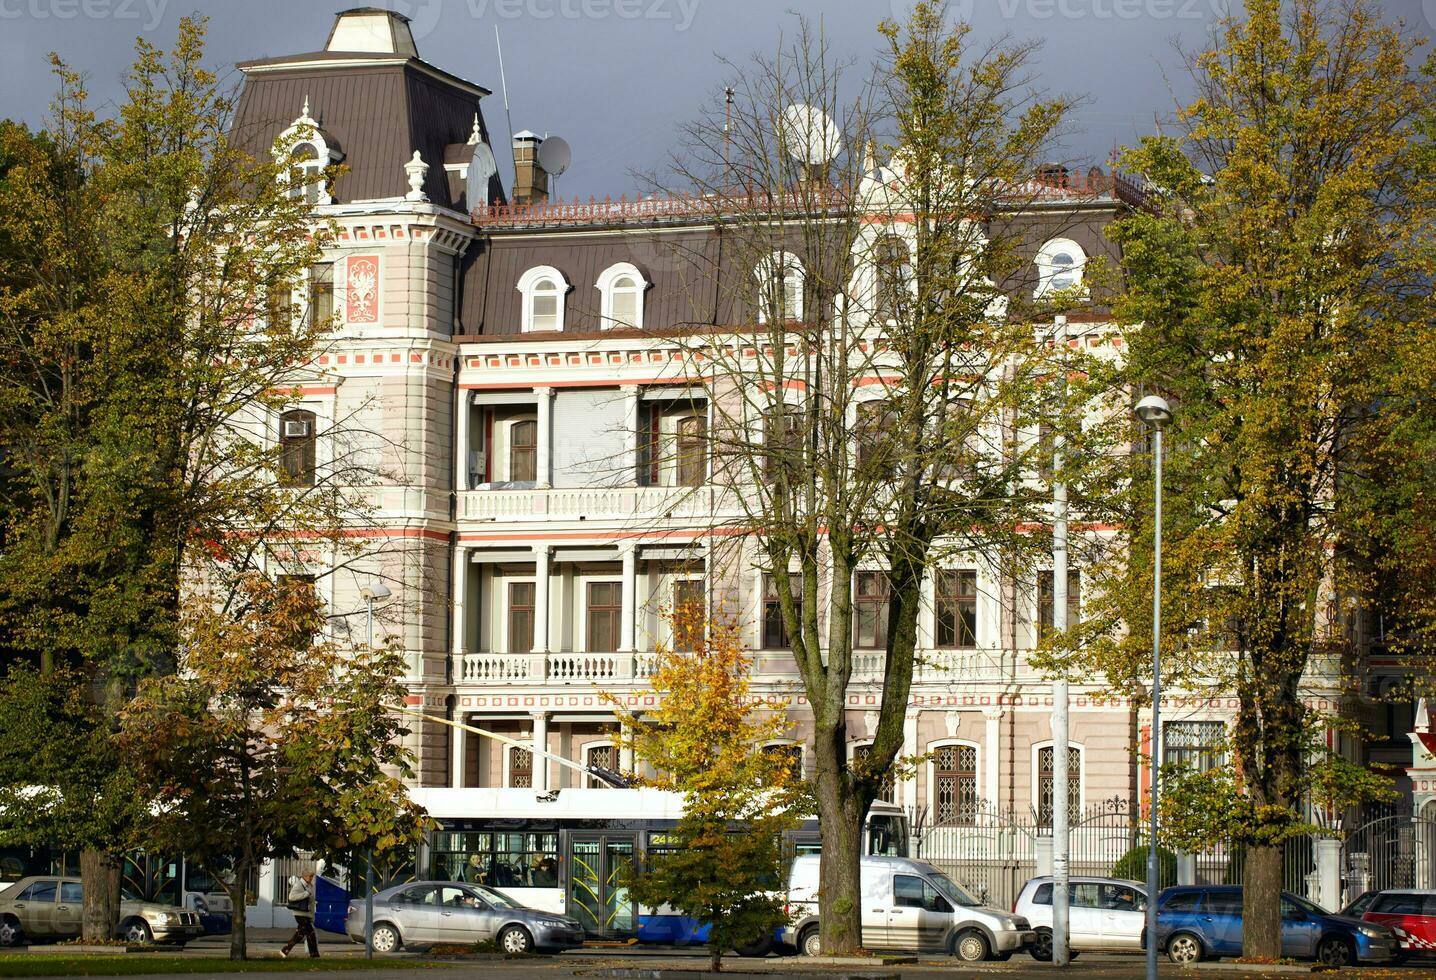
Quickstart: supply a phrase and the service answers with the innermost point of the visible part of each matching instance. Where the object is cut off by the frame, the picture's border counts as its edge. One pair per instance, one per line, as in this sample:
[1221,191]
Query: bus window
[887,834]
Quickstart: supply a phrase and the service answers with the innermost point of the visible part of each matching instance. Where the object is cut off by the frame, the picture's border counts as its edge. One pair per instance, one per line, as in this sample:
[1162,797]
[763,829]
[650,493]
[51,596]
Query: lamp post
[1061,821]
[1155,413]
[370,593]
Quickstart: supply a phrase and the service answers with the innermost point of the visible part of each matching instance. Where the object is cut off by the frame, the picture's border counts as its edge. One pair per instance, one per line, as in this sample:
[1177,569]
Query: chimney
[530,179]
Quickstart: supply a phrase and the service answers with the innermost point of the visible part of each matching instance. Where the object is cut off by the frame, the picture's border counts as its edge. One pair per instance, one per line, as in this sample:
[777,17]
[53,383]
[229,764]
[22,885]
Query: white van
[911,906]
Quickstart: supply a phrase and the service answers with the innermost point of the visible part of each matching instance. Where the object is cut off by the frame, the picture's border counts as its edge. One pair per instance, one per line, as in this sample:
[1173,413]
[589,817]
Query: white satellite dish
[482,167]
[809,135]
[554,155]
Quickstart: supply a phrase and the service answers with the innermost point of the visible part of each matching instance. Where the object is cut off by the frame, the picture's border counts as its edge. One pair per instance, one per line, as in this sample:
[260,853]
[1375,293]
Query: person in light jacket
[301,903]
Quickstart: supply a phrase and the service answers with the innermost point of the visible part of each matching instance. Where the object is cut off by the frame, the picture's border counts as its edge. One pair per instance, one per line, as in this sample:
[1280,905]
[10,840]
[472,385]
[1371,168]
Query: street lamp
[1156,413]
[370,594]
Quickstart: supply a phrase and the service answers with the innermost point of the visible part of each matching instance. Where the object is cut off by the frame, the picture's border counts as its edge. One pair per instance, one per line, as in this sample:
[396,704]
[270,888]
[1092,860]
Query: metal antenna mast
[508,119]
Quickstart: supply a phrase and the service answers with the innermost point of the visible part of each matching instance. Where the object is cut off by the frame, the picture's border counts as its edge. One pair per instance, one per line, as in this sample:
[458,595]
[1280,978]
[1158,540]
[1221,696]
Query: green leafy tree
[267,742]
[1281,282]
[722,863]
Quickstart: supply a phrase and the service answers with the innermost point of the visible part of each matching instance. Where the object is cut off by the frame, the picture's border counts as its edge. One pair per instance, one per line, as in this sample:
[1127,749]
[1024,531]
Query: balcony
[637,504]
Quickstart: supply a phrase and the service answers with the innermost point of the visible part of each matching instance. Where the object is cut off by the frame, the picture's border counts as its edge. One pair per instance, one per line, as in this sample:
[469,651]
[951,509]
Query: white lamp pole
[1156,413]
[370,593]
[1061,829]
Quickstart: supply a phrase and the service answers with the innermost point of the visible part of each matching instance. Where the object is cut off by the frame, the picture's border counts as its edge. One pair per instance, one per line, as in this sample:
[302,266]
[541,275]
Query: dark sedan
[428,913]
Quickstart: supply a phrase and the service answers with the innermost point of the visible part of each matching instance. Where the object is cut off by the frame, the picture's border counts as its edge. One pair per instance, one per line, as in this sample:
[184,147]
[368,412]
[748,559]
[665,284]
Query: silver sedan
[426,913]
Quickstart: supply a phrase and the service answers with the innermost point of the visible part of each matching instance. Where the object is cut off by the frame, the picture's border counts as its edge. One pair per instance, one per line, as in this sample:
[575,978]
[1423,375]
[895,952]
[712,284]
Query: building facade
[506,366]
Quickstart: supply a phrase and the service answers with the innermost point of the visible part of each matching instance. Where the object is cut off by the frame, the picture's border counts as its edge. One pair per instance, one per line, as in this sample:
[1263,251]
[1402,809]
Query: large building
[503,363]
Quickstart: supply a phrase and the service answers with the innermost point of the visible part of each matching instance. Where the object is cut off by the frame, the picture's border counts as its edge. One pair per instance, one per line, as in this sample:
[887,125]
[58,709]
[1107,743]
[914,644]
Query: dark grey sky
[617,78]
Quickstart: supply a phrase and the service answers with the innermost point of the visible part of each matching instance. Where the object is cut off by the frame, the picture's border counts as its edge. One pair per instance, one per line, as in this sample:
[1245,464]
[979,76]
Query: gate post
[1186,868]
[1328,872]
[1042,846]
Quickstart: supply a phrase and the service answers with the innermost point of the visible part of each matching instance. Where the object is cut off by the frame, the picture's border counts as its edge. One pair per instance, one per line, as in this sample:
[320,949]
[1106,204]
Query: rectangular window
[1045,599]
[782,442]
[690,614]
[605,610]
[521,767]
[321,293]
[870,611]
[600,757]
[545,311]
[523,451]
[956,608]
[692,445]
[1046,452]
[1045,778]
[1195,745]
[874,437]
[297,448]
[775,631]
[521,617]
[955,784]
[791,757]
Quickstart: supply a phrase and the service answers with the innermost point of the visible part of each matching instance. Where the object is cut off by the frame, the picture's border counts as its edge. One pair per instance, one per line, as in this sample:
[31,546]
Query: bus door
[597,865]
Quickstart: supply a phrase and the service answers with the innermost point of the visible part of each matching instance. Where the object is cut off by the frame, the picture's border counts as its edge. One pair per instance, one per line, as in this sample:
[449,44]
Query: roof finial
[476,137]
[305,110]
[870,161]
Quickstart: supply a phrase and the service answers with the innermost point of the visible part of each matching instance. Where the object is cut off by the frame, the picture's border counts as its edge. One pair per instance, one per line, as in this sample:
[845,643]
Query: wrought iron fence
[1390,849]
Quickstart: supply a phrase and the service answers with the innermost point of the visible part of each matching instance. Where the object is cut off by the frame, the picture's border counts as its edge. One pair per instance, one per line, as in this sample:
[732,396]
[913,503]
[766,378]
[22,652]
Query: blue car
[1205,922]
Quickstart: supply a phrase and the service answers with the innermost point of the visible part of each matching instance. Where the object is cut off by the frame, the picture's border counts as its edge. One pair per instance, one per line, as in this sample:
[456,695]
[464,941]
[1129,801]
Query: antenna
[809,136]
[727,132]
[508,119]
[554,156]
[482,167]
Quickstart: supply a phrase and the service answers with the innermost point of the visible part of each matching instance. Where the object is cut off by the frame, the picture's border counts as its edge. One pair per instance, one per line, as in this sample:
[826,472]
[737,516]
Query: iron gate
[1397,850]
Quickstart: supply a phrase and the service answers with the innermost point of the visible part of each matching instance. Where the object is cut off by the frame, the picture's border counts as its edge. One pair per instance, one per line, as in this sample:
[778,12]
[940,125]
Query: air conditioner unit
[296,428]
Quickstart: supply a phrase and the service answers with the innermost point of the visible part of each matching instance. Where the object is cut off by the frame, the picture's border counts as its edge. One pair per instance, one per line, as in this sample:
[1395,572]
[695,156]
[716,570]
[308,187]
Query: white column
[630,434]
[460,632]
[625,748]
[630,594]
[461,439]
[541,599]
[545,437]
[456,761]
[992,756]
[910,748]
[540,763]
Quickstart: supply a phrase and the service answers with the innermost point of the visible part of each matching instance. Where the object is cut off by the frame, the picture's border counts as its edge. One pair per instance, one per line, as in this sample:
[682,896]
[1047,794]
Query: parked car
[1103,914]
[423,913]
[49,907]
[1357,907]
[907,905]
[1411,916]
[1196,923]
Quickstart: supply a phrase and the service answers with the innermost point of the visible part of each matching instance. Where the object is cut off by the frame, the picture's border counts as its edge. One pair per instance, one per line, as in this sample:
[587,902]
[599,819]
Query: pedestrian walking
[301,903]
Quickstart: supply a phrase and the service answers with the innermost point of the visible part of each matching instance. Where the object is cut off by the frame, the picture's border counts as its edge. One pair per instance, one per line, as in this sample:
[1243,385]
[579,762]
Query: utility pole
[1061,831]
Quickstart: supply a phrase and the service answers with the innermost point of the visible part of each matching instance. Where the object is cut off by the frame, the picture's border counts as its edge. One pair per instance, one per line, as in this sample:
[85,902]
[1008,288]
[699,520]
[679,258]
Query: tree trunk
[100,875]
[237,898]
[840,814]
[1261,906]
[715,957]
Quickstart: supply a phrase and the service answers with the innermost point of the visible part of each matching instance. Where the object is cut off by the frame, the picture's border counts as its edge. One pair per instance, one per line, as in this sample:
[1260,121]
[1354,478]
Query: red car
[1409,913]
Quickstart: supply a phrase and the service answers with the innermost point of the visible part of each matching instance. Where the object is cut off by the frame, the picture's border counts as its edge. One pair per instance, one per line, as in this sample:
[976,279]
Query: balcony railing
[617,503]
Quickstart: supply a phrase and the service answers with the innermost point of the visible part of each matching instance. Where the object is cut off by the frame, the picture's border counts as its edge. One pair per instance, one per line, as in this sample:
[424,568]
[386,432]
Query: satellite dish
[482,167]
[809,135]
[554,155]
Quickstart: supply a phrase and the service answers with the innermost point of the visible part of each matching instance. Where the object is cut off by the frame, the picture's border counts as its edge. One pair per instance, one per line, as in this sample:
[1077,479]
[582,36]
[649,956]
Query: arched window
[544,289]
[306,152]
[780,287]
[521,767]
[308,180]
[621,290]
[892,278]
[1047,777]
[296,448]
[601,756]
[888,787]
[955,800]
[1060,264]
[523,451]
[789,754]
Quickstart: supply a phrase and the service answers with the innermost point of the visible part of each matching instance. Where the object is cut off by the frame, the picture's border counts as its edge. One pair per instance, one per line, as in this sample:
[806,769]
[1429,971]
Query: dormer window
[308,154]
[621,290]
[1060,264]
[780,287]
[544,289]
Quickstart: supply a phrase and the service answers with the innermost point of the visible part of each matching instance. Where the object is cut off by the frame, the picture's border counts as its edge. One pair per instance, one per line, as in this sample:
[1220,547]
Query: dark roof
[380,108]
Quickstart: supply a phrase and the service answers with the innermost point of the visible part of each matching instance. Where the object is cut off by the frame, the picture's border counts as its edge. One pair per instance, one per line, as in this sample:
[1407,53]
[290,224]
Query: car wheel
[1335,951]
[516,940]
[970,946]
[386,938]
[1041,948]
[137,931]
[761,948]
[809,943]
[10,932]
[1184,948]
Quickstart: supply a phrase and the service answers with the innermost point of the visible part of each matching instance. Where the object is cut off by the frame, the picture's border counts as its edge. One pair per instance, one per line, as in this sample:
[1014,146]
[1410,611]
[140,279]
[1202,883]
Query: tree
[723,861]
[152,316]
[268,742]
[1282,286]
[866,414]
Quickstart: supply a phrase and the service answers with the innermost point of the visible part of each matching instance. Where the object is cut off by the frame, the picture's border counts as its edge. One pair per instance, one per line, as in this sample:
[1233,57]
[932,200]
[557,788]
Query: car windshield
[1306,906]
[952,889]
[494,897]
